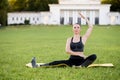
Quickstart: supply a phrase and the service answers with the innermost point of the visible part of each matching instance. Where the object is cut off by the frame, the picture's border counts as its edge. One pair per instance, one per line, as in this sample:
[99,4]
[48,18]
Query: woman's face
[76,28]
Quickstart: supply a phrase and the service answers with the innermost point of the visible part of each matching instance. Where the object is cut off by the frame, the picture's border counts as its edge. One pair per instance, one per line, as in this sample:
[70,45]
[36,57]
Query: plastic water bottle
[33,62]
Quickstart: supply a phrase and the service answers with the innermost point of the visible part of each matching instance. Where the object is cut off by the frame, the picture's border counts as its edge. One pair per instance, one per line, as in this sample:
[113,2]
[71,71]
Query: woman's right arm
[69,51]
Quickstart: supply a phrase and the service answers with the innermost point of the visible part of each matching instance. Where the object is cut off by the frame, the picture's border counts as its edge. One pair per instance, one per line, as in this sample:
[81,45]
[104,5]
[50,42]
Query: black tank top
[76,47]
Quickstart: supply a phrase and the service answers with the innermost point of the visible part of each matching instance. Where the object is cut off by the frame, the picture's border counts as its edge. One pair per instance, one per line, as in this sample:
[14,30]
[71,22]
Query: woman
[74,47]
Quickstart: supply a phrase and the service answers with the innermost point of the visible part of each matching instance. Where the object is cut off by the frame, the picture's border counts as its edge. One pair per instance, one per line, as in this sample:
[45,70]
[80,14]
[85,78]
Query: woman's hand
[82,55]
[82,16]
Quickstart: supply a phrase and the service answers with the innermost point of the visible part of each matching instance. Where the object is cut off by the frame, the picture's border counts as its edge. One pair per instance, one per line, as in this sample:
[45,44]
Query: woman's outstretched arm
[89,30]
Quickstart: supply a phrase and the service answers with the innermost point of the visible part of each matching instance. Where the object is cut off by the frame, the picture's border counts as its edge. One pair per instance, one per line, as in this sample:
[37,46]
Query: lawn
[47,43]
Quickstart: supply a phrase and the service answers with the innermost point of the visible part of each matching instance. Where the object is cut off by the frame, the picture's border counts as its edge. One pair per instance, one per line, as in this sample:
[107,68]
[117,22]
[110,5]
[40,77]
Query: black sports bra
[78,46]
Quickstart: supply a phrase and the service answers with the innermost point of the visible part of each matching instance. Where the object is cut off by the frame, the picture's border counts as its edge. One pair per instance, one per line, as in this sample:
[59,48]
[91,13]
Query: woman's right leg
[60,63]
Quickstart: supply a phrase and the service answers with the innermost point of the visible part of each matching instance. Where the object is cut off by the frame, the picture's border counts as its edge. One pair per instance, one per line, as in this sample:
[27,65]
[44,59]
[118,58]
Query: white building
[66,12]
[33,17]
[114,18]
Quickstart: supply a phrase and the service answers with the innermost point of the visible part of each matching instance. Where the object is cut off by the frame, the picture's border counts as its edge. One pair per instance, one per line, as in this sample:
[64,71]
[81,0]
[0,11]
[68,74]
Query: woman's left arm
[89,30]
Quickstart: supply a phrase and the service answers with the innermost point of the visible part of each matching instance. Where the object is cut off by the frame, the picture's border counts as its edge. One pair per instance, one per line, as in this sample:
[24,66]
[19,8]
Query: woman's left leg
[89,60]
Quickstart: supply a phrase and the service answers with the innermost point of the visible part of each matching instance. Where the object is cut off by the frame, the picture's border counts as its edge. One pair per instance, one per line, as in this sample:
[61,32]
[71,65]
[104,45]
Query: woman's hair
[77,24]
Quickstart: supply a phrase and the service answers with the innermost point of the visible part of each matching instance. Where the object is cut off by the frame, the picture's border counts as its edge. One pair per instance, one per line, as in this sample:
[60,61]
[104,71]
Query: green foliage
[18,44]
[53,1]
[115,4]
[20,5]
[3,12]
[3,4]
[41,5]
[3,17]
[30,5]
[11,5]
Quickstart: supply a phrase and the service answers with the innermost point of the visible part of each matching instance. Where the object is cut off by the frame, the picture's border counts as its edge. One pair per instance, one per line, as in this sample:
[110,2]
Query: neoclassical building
[66,12]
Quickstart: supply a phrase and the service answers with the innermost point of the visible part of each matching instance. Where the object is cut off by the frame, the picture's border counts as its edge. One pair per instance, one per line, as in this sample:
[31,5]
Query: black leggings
[73,62]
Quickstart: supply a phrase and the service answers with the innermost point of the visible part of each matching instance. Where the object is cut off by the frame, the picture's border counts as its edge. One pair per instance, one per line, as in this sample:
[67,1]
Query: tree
[115,4]
[11,5]
[3,12]
[53,1]
[41,5]
[20,5]
[31,5]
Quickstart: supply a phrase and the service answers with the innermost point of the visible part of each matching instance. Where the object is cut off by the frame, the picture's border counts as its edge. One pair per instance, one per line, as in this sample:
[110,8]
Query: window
[17,18]
[96,17]
[70,20]
[70,17]
[79,20]
[61,17]
[96,20]
[62,20]
[13,18]
[21,18]
[37,19]
[33,18]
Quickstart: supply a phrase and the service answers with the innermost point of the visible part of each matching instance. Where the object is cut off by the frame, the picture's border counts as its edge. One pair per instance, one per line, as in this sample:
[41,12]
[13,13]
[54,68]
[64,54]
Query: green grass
[47,43]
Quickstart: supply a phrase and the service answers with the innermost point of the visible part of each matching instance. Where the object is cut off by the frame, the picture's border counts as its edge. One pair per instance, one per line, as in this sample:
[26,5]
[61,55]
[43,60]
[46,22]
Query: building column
[90,16]
[66,17]
[93,17]
[75,17]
